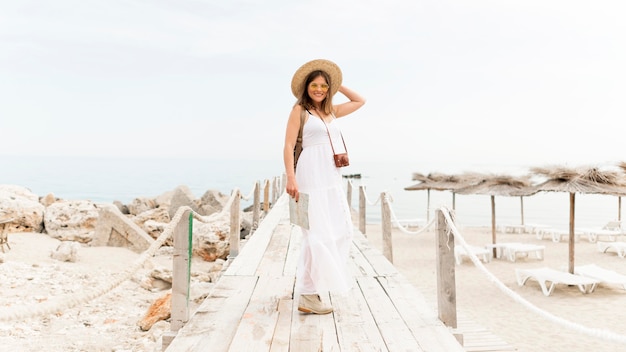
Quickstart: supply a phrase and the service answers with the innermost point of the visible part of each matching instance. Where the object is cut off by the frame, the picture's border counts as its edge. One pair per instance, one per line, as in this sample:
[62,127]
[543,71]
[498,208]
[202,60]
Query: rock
[212,202]
[67,251]
[21,205]
[71,220]
[139,205]
[47,200]
[182,196]
[159,310]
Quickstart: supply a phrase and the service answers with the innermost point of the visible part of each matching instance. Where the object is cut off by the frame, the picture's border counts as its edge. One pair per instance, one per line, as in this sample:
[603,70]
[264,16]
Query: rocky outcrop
[71,220]
[21,205]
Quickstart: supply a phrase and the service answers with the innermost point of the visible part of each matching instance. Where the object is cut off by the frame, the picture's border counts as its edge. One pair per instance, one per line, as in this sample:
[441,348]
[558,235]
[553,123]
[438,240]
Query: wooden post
[572,237]
[446,280]
[180,276]
[349,194]
[266,196]
[386,223]
[274,190]
[493,223]
[235,224]
[362,201]
[256,207]
[428,206]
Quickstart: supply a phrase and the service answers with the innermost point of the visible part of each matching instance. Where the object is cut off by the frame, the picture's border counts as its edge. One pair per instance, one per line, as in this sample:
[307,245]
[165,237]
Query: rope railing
[65,302]
[594,332]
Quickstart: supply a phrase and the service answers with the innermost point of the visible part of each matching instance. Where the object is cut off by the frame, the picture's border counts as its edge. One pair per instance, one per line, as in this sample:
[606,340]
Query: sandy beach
[482,301]
[109,323]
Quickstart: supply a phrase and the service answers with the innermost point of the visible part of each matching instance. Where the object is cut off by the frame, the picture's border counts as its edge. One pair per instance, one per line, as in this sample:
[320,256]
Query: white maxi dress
[322,266]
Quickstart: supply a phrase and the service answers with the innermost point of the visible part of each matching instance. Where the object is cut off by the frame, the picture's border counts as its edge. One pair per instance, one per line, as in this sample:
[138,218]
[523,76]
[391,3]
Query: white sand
[484,303]
[30,278]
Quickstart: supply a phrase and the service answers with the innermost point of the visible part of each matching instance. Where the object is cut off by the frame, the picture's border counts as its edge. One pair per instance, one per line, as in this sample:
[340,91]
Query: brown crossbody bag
[341,159]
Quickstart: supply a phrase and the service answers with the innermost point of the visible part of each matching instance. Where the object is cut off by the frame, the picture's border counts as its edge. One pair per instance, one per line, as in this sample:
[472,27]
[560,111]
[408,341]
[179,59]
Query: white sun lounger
[510,250]
[557,235]
[619,247]
[552,276]
[604,275]
[483,253]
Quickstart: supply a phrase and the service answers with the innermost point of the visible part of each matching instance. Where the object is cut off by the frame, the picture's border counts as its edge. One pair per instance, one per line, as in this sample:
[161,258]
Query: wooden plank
[416,313]
[216,320]
[247,262]
[258,323]
[293,252]
[395,333]
[356,329]
[379,263]
[358,265]
[280,340]
[273,262]
[312,332]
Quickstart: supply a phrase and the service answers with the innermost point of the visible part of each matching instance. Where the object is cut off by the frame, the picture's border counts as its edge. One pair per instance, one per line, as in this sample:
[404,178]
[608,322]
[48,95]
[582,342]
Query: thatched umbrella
[501,185]
[442,182]
[581,180]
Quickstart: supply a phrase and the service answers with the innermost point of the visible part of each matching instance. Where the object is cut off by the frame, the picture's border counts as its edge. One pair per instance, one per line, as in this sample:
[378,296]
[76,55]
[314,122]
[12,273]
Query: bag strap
[302,118]
[331,140]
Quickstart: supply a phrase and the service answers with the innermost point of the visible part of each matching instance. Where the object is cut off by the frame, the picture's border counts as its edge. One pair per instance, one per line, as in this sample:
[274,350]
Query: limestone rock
[160,310]
[67,251]
[71,220]
[21,205]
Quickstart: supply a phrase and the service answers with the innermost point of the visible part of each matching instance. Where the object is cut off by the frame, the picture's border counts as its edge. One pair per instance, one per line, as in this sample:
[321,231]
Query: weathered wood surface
[252,307]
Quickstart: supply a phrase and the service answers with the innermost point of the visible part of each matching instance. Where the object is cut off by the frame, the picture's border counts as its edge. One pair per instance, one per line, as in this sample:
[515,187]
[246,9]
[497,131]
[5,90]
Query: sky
[447,82]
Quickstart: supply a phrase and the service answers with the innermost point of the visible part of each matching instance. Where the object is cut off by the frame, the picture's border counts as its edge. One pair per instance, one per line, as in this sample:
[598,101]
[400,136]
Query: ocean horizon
[108,179]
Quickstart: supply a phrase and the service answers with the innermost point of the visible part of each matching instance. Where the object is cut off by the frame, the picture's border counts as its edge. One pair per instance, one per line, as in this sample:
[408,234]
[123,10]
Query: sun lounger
[546,275]
[483,253]
[599,273]
[510,250]
[619,247]
[593,235]
[557,235]
[512,228]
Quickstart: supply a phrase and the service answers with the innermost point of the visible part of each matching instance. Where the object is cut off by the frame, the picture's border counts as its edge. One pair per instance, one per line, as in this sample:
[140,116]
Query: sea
[108,179]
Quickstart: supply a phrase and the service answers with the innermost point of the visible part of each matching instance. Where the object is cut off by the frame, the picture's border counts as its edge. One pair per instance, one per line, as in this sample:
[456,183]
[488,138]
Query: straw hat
[297,82]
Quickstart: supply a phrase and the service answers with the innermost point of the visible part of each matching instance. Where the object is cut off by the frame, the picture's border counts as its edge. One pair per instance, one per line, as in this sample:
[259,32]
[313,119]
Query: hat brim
[297,82]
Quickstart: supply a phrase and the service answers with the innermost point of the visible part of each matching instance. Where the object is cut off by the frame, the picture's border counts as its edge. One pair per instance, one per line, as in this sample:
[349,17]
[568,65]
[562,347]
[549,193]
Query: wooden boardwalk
[252,307]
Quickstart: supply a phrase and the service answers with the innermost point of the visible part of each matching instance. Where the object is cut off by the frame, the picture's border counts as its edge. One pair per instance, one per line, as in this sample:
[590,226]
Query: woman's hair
[306,101]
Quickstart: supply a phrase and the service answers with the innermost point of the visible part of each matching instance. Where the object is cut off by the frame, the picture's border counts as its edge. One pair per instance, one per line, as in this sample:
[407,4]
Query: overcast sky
[529,82]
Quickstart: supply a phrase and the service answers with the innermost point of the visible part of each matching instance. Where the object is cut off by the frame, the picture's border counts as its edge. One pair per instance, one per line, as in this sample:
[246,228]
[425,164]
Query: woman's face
[317,89]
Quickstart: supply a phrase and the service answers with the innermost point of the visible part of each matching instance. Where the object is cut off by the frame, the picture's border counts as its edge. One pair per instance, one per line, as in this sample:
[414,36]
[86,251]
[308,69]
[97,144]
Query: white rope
[401,227]
[368,201]
[247,197]
[595,332]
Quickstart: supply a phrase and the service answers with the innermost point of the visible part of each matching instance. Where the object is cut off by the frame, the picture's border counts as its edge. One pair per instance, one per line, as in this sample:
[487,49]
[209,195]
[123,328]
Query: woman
[326,244]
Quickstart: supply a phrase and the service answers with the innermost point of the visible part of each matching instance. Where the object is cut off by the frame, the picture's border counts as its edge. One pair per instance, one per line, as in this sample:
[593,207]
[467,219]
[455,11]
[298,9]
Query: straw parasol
[501,185]
[581,180]
[442,182]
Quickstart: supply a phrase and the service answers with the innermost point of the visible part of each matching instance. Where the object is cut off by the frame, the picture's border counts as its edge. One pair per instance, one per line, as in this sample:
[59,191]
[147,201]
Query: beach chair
[609,232]
[599,273]
[483,253]
[548,279]
[618,247]
[511,250]
[4,238]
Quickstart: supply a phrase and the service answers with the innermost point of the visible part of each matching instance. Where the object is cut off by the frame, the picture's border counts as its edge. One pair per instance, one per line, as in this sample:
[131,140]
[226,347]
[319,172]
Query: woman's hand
[292,189]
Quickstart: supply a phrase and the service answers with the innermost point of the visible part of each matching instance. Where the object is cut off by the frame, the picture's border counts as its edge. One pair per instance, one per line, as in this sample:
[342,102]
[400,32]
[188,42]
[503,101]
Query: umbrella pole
[428,206]
[493,223]
[619,208]
[453,201]
[521,201]
[572,202]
